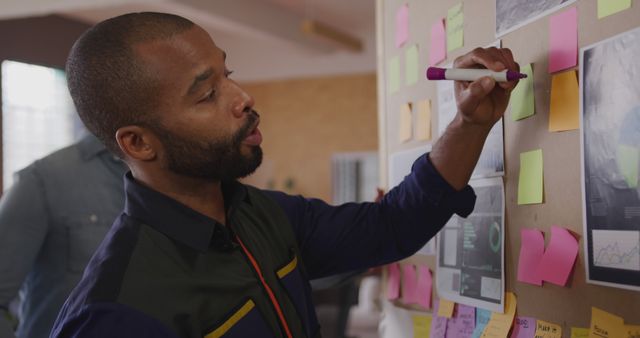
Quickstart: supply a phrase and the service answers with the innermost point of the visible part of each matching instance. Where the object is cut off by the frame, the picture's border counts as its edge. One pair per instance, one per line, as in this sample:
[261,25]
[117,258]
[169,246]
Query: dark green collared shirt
[165,270]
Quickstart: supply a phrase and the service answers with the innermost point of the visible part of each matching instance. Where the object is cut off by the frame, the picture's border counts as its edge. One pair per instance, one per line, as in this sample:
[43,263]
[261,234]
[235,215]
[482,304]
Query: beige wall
[305,121]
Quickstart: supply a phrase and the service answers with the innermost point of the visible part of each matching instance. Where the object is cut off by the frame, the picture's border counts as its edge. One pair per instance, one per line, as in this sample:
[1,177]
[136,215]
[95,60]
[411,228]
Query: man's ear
[137,143]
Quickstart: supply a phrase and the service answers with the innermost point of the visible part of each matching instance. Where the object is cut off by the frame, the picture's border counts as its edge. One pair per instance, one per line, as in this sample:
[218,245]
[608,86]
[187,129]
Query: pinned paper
[548,330]
[531,251]
[564,113]
[557,262]
[530,182]
[423,123]
[402,25]
[425,283]
[463,322]
[438,323]
[411,65]
[394,74]
[608,7]
[563,40]
[446,308]
[455,31]
[482,319]
[393,283]
[579,332]
[406,124]
[437,52]
[409,284]
[421,326]
[500,323]
[524,327]
[605,324]
[522,98]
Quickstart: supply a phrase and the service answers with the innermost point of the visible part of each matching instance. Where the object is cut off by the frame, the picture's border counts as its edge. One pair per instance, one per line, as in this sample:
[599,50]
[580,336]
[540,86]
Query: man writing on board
[195,253]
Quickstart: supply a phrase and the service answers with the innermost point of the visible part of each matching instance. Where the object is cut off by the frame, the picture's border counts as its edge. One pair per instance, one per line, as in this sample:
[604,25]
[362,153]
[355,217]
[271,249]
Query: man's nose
[243,105]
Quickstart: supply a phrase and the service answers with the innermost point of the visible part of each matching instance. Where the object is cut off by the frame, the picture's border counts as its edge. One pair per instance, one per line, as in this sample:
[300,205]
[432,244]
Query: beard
[219,160]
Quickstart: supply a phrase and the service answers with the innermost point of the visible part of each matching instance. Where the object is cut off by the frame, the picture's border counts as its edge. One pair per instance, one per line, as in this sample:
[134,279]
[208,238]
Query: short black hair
[109,86]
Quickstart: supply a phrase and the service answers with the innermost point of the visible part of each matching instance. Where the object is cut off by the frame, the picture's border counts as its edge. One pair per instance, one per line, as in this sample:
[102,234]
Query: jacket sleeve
[336,239]
[23,228]
[107,320]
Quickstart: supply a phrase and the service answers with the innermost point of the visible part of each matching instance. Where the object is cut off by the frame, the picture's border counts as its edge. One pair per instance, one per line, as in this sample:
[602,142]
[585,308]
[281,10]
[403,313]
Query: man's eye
[209,97]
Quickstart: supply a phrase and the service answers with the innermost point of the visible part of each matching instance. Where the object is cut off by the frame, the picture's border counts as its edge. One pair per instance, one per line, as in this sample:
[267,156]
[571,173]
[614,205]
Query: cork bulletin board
[562,204]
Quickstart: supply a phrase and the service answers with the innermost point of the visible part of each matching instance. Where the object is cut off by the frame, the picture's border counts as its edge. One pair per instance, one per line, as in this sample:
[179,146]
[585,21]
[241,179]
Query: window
[38,115]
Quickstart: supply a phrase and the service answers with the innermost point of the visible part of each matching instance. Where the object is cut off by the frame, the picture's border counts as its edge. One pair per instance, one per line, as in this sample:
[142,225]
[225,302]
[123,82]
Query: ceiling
[262,38]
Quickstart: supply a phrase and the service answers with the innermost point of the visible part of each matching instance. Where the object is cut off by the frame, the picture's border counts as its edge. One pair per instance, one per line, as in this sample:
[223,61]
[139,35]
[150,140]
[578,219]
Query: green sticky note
[522,98]
[393,73]
[411,65]
[628,158]
[608,7]
[530,182]
[455,23]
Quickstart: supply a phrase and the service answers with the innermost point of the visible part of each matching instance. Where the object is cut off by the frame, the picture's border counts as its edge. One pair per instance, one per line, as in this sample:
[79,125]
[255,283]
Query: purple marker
[469,74]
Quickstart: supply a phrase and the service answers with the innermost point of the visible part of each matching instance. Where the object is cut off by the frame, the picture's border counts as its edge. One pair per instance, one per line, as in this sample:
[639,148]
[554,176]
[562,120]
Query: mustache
[253,118]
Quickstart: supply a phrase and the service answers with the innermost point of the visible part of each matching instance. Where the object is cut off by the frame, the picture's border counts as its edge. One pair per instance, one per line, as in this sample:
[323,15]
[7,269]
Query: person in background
[195,252]
[51,221]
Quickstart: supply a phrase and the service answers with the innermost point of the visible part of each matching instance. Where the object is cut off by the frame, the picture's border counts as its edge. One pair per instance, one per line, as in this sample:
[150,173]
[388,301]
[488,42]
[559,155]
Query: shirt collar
[177,220]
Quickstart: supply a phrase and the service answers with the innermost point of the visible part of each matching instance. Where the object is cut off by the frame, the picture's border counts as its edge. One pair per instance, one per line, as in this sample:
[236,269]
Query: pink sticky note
[409,284]
[393,283]
[557,262]
[531,251]
[425,282]
[438,324]
[438,49]
[523,327]
[563,40]
[402,25]
[463,322]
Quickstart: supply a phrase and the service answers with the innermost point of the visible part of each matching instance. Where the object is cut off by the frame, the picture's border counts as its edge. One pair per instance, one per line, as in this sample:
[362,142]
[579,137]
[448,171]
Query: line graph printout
[610,144]
[470,262]
[616,249]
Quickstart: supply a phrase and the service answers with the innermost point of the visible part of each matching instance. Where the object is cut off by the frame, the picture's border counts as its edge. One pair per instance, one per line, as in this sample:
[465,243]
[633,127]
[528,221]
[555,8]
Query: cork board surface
[568,306]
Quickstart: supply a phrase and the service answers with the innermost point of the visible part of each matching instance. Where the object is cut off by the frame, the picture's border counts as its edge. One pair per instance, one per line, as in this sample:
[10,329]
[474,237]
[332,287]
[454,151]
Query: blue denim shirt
[51,221]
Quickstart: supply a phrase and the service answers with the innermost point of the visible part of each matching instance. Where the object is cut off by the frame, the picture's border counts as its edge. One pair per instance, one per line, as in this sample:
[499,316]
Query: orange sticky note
[605,324]
[564,113]
[423,123]
[446,308]
[406,124]
[500,323]
[393,281]
[547,330]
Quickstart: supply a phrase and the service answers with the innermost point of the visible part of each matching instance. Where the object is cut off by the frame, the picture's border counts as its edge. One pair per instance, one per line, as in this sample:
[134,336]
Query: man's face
[206,122]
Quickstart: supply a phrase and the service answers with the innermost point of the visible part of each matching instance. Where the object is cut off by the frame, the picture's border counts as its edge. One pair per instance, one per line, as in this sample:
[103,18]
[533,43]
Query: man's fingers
[471,96]
[489,58]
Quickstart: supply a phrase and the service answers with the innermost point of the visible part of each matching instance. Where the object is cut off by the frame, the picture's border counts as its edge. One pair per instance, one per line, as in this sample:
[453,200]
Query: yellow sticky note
[564,113]
[633,331]
[605,324]
[421,326]
[411,65]
[423,123]
[405,123]
[522,100]
[547,330]
[531,180]
[579,332]
[500,323]
[608,7]
[445,308]
[393,74]
[455,25]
